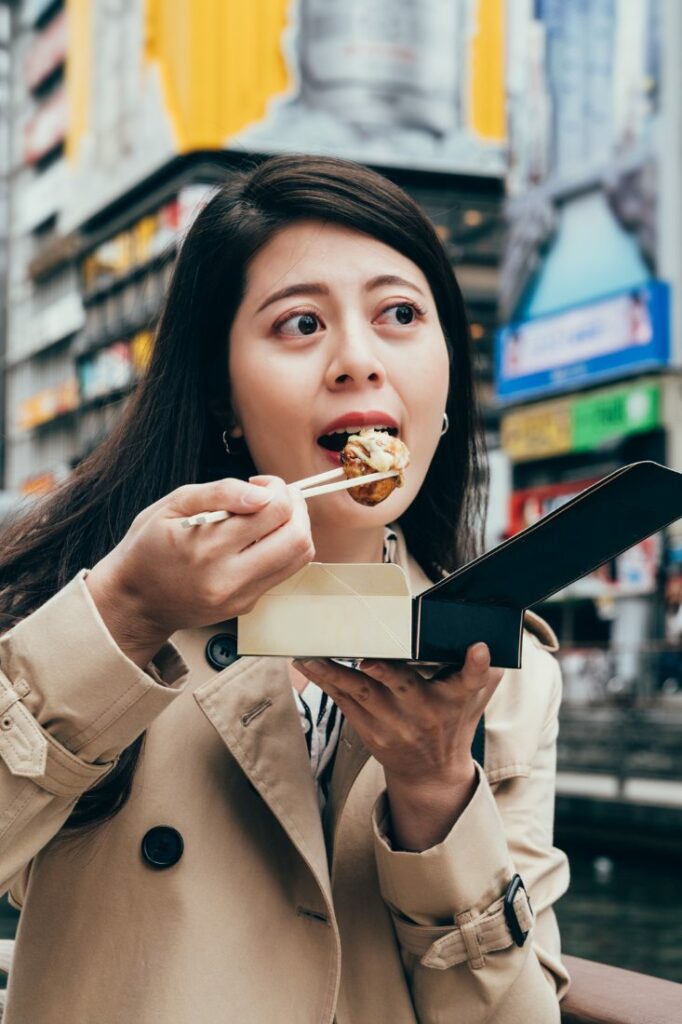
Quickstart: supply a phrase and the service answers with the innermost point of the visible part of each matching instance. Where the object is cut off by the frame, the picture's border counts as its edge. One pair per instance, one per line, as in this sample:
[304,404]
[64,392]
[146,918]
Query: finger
[339,682]
[251,594]
[396,676]
[336,685]
[240,532]
[474,672]
[236,496]
[288,546]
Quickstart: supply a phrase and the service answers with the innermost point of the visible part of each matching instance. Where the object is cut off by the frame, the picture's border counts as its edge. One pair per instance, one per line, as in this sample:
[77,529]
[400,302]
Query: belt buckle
[517,932]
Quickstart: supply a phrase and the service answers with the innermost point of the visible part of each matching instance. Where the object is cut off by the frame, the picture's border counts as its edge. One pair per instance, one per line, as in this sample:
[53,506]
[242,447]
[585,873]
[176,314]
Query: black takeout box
[367,611]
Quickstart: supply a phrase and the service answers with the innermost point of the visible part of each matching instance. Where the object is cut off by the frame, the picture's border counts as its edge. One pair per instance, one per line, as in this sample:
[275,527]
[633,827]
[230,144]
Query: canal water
[622,911]
[625,911]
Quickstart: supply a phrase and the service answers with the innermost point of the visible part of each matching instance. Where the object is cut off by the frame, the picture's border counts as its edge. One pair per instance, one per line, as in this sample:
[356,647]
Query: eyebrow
[316,288]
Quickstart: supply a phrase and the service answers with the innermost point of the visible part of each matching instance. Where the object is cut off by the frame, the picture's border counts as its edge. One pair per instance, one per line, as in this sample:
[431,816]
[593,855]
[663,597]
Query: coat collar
[251,706]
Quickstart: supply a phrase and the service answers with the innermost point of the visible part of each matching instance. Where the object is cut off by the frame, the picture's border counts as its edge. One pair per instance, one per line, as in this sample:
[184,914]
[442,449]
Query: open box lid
[492,592]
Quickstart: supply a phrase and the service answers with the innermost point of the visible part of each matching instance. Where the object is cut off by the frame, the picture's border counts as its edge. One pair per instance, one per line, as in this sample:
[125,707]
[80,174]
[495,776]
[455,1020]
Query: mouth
[337,439]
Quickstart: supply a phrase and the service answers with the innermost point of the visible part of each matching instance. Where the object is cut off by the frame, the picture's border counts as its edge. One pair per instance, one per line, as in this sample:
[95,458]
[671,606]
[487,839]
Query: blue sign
[621,334]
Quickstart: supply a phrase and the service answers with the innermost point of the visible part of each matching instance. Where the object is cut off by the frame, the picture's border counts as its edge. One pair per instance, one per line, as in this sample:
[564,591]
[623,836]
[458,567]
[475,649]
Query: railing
[622,713]
[609,995]
[621,723]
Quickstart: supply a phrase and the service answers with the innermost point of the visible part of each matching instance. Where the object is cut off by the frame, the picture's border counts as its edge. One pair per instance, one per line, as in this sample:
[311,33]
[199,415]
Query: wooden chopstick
[311,486]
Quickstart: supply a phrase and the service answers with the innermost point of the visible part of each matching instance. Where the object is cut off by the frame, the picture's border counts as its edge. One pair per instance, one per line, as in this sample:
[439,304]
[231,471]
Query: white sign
[577,335]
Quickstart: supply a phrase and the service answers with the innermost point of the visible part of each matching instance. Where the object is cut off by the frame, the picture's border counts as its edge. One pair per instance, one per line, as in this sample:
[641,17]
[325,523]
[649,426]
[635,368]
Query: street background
[544,140]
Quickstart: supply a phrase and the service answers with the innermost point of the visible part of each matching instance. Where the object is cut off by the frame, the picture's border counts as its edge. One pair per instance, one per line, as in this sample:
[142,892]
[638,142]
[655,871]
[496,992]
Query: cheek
[425,384]
[272,407]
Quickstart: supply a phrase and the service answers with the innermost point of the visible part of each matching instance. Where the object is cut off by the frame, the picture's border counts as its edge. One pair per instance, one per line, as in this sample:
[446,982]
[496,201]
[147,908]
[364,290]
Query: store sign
[633,573]
[61,318]
[48,404]
[538,432]
[147,239]
[48,52]
[40,198]
[625,333]
[614,414]
[47,128]
[581,424]
[108,370]
[41,483]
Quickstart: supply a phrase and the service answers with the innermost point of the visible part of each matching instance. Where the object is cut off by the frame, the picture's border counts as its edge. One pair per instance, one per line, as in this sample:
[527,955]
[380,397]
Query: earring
[446,424]
[226,443]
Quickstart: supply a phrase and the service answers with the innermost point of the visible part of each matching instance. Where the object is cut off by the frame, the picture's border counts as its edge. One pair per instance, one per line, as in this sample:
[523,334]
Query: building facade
[110,161]
[588,362]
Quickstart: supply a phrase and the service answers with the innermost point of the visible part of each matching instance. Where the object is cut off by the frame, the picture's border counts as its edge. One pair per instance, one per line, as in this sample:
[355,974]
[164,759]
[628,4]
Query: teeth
[355,430]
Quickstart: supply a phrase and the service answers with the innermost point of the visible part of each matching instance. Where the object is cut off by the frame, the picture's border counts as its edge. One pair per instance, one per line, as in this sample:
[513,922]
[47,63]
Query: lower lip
[333,457]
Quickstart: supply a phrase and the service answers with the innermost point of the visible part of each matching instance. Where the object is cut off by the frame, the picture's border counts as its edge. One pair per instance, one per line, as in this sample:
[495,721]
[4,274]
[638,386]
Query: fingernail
[309,666]
[256,497]
[481,655]
[307,663]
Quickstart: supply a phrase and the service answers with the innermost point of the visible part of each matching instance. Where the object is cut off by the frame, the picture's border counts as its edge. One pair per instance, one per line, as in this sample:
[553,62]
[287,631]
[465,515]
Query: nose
[355,362]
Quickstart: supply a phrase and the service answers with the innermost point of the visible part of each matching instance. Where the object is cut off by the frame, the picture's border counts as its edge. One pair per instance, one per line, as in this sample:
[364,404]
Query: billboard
[584,88]
[592,99]
[614,336]
[581,423]
[394,83]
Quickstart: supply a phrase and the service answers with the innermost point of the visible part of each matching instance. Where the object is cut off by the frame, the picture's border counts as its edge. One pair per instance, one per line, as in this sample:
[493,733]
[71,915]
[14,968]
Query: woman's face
[336,330]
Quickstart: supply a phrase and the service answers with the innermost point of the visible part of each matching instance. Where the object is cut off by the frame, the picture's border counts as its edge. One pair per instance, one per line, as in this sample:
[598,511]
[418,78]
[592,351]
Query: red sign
[48,52]
[634,572]
[531,504]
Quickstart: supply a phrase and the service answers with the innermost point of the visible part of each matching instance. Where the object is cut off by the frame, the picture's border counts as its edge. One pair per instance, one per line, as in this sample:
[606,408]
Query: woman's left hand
[420,731]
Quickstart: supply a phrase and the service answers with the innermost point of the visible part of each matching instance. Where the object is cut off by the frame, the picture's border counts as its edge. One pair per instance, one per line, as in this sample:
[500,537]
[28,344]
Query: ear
[224,416]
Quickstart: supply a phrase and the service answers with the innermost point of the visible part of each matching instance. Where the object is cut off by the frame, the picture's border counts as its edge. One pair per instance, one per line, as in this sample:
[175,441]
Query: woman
[161,823]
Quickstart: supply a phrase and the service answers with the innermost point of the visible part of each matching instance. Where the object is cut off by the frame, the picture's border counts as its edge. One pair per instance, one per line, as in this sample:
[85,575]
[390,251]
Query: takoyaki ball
[374,451]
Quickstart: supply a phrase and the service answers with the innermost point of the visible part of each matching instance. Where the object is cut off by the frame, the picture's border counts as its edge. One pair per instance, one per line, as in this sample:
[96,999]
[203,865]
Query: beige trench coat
[252,924]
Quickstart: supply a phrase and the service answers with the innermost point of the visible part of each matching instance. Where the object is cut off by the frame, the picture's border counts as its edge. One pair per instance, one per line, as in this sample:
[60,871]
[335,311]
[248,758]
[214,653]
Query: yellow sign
[536,433]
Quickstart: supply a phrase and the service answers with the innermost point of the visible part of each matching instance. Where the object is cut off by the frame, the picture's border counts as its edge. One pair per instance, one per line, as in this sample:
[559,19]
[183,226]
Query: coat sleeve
[447,902]
[70,703]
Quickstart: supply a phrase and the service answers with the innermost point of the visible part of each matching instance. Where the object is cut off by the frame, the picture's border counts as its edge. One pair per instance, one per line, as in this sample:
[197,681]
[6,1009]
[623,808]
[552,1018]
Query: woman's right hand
[162,577]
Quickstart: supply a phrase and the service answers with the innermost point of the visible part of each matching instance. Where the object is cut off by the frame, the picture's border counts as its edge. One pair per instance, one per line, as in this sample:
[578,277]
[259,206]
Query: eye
[402,313]
[298,324]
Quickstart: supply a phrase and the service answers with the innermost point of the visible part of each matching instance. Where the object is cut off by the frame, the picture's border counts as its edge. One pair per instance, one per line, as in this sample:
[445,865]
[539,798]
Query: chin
[342,512]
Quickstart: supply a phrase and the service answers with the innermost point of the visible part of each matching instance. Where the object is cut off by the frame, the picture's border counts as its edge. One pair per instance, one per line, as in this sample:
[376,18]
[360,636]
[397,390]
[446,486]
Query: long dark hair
[170,432]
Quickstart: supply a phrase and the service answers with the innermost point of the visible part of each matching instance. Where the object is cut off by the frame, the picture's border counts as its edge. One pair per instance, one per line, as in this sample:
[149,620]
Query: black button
[221,650]
[162,846]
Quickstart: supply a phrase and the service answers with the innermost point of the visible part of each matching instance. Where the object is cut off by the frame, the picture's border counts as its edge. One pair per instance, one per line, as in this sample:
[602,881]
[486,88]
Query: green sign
[614,414]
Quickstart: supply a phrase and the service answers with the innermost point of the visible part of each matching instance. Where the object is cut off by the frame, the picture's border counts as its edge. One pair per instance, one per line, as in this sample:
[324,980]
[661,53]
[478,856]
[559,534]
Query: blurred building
[587,367]
[4,187]
[125,113]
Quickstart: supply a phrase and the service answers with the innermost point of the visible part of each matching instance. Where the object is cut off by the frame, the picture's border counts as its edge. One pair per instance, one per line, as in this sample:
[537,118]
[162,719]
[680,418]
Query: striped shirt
[321,720]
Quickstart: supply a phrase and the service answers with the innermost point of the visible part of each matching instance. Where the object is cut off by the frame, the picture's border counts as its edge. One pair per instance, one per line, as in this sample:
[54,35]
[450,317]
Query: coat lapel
[251,706]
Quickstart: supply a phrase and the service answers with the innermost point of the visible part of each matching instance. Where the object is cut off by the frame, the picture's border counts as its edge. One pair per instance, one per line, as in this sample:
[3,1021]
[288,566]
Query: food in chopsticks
[374,451]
